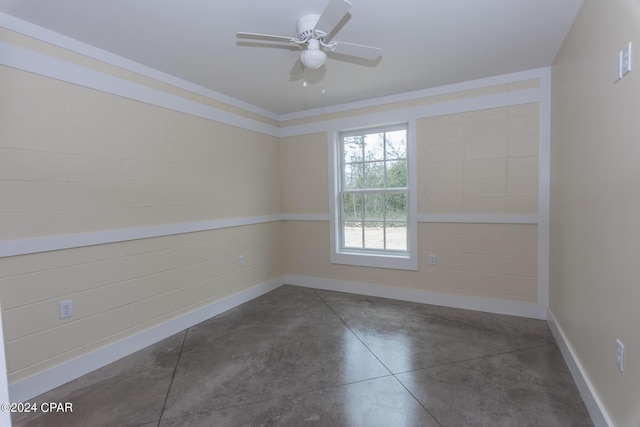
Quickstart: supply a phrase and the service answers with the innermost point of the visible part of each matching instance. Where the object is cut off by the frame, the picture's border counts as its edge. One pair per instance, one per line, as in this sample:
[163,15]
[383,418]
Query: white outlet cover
[66,309]
[620,355]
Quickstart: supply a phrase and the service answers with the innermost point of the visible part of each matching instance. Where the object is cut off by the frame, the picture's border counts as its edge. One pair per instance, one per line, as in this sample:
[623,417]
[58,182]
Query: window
[372,219]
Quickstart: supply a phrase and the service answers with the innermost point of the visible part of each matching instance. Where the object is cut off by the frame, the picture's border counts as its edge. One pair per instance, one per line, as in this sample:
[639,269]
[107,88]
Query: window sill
[366,259]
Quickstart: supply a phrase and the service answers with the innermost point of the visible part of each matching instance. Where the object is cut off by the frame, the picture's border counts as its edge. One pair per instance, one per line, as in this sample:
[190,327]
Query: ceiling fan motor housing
[306,27]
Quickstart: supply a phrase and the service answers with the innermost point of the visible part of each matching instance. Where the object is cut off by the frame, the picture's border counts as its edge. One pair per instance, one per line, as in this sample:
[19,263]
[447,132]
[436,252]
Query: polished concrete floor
[304,357]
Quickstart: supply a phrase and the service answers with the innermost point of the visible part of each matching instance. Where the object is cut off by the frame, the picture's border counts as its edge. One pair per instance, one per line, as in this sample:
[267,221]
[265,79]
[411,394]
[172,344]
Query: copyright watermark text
[37,407]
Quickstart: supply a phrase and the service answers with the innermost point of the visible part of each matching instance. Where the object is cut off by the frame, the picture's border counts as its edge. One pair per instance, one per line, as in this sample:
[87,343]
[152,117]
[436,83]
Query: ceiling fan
[313,32]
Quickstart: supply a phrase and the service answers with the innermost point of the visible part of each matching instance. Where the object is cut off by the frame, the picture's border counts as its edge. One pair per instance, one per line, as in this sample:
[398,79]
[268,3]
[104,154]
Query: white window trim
[408,261]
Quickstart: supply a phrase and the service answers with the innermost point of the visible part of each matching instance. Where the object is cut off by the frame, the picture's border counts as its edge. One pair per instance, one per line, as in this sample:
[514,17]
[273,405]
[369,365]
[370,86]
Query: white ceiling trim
[524,96]
[56,39]
[196,41]
[34,62]
[28,60]
[38,63]
[41,64]
[424,93]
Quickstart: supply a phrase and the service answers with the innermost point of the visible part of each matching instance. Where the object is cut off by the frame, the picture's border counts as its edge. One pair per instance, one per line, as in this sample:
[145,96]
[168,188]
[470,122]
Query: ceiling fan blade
[297,71]
[269,37]
[357,50]
[332,15]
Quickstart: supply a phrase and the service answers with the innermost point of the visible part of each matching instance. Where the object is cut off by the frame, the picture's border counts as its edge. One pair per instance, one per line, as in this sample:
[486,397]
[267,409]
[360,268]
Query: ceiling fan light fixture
[313,57]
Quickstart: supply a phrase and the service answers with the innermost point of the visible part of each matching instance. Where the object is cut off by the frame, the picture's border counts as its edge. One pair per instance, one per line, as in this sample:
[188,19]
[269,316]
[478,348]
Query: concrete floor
[305,357]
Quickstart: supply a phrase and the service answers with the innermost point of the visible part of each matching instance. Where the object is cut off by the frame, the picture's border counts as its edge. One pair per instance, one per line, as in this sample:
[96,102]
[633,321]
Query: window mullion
[376,190]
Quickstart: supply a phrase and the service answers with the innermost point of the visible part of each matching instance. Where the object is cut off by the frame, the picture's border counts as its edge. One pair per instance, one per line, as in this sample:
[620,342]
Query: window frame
[404,260]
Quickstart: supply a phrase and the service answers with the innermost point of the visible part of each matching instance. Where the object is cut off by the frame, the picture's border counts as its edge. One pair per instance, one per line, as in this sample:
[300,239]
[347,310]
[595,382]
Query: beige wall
[120,289]
[477,162]
[304,174]
[495,261]
[595,203]
[76,160]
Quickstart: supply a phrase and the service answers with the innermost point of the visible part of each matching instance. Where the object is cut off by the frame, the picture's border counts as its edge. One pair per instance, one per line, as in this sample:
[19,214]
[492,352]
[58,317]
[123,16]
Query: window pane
[352,149]
[374,146]
[397,174]
[396,233]
[353,176]
[352,207]
[374,207]
[396,206]
[396,143]
[374,190]
[374,175]
[353,235]
[374,235]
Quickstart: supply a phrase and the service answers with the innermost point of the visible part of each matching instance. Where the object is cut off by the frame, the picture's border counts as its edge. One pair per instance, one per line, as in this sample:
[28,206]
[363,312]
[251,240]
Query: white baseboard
[591,399]
[514,308]
[56,376]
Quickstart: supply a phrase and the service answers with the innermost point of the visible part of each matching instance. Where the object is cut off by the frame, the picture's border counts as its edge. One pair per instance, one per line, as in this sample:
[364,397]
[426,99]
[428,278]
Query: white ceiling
[426,43]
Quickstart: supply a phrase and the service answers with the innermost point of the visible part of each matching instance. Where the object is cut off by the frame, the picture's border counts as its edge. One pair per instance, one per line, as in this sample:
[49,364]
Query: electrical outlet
[620,355]
[66,309]
[623,62]
[433,260]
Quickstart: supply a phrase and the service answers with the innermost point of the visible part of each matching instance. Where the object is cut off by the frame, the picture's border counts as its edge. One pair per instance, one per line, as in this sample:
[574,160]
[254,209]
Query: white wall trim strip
[51,378]
[47,36]
[544,185]
[34,62]
[479,218]
[594,405]
[483,102]
[69,241]
[306,217]
[513,308]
